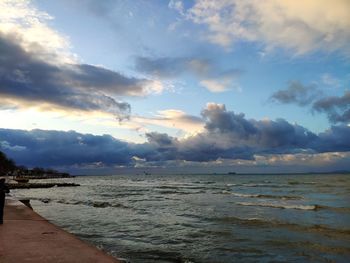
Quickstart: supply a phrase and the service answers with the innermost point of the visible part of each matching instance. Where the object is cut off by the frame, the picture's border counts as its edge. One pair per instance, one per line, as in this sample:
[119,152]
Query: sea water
[205,218]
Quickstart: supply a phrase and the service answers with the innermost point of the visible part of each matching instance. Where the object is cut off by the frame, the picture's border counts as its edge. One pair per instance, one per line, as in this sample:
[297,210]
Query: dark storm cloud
[220,120]
[296,93]
[233,134]
[337,138]
[164,147]
[160,139]
[282,136]
[230,135]
[26,77]
[226,135]
[59,148]
[336,108]
[266,134]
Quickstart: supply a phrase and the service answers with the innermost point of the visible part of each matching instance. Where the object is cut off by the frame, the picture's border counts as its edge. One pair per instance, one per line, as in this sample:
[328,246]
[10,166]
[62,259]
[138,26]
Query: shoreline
[25,235]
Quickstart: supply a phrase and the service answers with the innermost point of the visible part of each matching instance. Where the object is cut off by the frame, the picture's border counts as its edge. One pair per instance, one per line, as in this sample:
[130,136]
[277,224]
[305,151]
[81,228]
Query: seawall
[25,236]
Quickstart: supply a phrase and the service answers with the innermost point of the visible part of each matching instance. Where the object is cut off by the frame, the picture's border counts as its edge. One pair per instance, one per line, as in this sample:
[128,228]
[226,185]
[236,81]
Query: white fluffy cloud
[220,84]
[177,5]
[20,18]
[300,26]
[172,118]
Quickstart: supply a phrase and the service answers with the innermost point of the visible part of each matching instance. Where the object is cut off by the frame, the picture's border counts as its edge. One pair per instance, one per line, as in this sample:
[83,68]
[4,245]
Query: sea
[205,218]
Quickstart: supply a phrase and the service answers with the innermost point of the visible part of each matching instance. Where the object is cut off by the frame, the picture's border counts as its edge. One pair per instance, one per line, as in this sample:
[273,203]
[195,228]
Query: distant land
[229,174]
[289,173]
[9,168]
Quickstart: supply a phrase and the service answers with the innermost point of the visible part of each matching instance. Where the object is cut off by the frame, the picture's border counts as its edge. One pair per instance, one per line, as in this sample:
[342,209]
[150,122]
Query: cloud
[164,67]
[292,25]
[222,83]
[210,76]
[172,118]
[232,136]
[31,80]
[58,148]
[76,86]
[177,5]
[6,145]
[296,93]
[301,162]
[329,80]
[265,135]
[20,18]
[253,135]
[218,119]
[160,139]
[337,108]
[336,138]
[226,136]
[37,68]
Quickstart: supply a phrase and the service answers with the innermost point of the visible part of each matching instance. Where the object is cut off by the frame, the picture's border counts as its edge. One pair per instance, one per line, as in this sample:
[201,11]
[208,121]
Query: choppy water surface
[206,218]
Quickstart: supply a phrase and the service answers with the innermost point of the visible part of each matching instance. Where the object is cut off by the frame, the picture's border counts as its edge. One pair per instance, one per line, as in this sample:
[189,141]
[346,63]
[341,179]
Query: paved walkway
[26,237]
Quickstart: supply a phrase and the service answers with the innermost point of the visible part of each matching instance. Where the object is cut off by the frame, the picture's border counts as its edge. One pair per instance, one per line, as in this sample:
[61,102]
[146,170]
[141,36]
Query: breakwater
[27,237]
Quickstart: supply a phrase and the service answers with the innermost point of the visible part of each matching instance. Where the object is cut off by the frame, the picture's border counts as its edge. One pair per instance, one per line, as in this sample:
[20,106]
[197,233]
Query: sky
[103,87]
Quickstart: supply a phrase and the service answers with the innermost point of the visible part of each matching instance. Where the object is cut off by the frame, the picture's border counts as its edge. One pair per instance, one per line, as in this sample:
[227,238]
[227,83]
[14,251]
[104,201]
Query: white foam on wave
[264,196]
[281,206]
[244,195]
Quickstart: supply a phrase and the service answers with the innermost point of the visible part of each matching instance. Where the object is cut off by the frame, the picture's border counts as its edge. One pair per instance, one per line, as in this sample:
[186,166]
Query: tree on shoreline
[7,165]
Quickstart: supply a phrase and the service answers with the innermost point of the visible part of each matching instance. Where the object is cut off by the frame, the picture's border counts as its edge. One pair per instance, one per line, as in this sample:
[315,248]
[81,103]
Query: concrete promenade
[27,237]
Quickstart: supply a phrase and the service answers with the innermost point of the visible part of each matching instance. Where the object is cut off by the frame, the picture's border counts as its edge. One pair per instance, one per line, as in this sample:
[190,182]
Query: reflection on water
[206,218]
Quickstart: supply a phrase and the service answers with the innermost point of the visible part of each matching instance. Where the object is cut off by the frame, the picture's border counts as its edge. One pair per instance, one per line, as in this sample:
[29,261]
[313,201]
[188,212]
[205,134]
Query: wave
[180,188]
[204,182]
[283,197]
[257,184]
[232,184]
[281,206]
[97,204]
[311,246]
[297,183]
[166,192]
[208,182]
[299,207]
[168,187]
[265,185]
[333,208]
[159,255]
[257,222]
[127,194]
